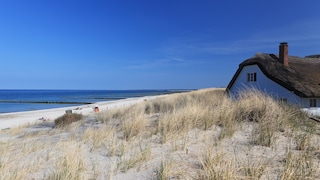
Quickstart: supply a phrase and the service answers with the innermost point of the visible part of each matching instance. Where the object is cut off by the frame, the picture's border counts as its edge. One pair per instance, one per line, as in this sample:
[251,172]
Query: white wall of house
[306,102]
[312,111]
[264,84]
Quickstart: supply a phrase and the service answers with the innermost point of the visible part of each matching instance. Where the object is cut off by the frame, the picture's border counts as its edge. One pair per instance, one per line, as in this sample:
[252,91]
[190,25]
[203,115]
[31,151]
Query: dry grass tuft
[135,159]
[70,163]
[134,125]
[102,137]
[270,116]
[297,166]
[216,166]
[168,170]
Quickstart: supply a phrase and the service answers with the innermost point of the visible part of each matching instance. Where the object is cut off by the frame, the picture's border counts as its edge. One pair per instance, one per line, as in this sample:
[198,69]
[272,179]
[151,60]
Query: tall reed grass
[70,162]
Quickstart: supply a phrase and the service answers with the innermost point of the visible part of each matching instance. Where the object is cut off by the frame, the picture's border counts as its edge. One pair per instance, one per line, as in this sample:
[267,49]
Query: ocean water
[28,100]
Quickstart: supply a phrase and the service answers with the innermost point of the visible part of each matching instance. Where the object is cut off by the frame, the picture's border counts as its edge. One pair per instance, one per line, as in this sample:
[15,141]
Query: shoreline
[31,100]
[16,119]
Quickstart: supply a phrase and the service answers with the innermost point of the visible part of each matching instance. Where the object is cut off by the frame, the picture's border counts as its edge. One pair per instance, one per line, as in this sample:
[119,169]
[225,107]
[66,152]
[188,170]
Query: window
[283,100]
[313,102]
[252,77]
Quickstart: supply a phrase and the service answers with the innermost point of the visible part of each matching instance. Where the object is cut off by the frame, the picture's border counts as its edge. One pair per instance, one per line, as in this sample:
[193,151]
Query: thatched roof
[302,77]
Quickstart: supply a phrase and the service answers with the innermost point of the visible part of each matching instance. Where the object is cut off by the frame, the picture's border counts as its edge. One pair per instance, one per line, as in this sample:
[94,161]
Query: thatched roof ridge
[313,56]
[302,77]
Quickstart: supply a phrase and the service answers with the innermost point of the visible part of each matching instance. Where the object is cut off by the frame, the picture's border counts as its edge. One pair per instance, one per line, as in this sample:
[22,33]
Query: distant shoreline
[43,102]
[30,100]
[16,119]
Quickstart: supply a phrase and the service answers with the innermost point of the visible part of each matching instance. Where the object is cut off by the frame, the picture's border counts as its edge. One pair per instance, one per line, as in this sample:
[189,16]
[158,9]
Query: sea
[28,100]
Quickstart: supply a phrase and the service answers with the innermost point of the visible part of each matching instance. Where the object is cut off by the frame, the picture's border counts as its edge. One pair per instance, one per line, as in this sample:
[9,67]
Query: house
[287,78]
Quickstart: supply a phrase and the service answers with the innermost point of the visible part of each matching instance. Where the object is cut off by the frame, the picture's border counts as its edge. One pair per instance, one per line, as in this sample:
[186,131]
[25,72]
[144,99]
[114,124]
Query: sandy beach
[15,119]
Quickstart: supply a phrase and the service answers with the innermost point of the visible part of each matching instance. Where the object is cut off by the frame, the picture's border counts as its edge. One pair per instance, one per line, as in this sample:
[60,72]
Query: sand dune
[195,135]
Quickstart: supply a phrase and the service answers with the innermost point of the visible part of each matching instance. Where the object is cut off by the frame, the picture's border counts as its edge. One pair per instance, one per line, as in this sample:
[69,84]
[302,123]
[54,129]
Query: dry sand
[9,120]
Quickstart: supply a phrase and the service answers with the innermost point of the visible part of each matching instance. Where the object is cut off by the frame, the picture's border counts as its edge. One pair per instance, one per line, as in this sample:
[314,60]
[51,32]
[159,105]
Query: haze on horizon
[169,44]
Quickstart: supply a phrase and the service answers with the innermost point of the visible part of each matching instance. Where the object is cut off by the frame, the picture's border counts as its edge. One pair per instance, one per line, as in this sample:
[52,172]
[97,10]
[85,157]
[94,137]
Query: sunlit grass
[195,135]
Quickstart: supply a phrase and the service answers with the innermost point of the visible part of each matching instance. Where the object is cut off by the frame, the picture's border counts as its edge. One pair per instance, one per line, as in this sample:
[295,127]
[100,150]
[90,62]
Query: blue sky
[145,44]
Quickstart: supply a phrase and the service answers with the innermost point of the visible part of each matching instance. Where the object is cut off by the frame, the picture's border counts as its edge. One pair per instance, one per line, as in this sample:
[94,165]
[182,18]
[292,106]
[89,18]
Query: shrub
[67,119]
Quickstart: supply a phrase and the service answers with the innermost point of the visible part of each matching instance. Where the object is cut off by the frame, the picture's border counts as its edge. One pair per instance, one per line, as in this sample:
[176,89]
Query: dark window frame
[313,102]
[252,77]
[283,100]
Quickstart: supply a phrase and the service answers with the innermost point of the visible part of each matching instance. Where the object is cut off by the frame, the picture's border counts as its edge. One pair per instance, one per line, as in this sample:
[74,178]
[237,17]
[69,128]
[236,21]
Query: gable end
[242,65]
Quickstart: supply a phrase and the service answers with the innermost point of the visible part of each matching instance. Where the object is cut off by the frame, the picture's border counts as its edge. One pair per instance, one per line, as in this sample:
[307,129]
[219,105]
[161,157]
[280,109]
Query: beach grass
[201,134]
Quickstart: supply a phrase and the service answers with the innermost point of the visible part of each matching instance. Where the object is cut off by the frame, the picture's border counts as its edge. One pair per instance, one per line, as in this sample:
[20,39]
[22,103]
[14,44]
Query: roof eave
[235,76]
[289,88]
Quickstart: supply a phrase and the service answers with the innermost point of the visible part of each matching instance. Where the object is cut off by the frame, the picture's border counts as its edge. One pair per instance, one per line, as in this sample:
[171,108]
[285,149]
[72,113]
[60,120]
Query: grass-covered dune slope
[195,135]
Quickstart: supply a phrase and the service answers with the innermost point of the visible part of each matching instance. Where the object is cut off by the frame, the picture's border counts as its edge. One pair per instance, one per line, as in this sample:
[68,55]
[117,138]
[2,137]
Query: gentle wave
[26,100]
[43,102]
